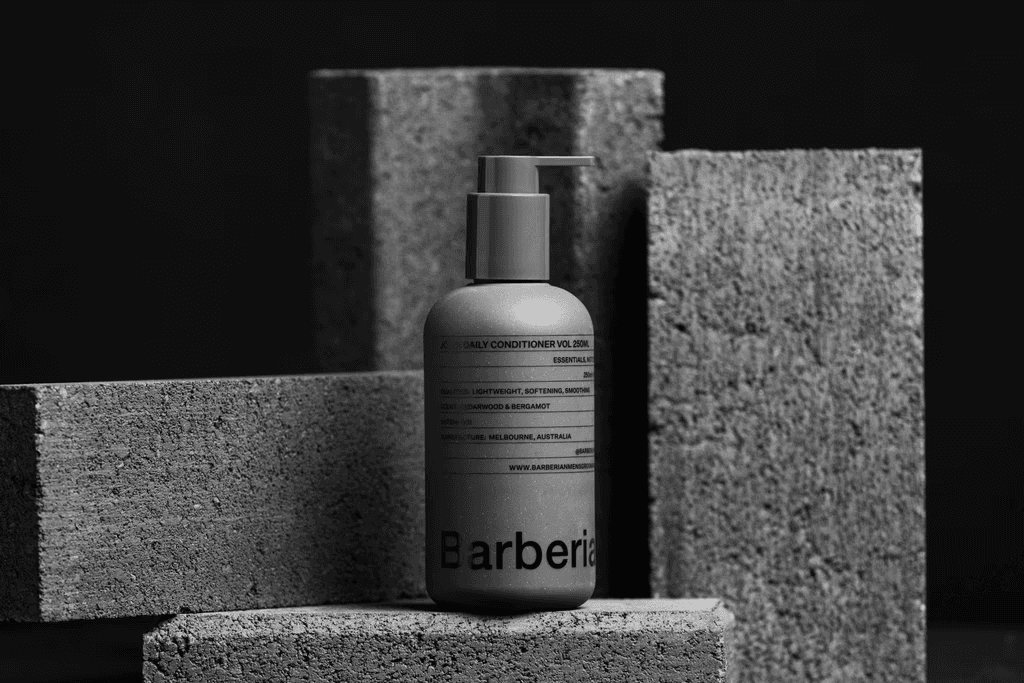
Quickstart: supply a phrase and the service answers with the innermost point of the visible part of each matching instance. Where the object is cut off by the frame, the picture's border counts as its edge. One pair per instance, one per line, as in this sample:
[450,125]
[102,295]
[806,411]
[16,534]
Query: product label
[519,554]
[514,404]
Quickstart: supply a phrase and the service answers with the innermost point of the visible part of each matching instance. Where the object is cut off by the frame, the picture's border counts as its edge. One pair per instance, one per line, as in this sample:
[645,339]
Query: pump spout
[507,220]
[508,174]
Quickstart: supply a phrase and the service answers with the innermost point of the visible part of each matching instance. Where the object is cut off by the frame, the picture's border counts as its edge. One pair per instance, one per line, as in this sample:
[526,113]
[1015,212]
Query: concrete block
[786,404]
[393,155]
[135,498]
[628,640]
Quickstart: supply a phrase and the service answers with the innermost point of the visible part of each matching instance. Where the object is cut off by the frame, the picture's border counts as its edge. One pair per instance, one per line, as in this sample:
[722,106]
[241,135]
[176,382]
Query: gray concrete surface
[393,155]
[134,498]
[605,640]
[787,404]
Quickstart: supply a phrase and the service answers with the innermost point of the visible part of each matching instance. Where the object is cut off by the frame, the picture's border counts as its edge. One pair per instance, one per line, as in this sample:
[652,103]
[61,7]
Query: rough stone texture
[134,498]
[787,407]
[613,640]
[393,155]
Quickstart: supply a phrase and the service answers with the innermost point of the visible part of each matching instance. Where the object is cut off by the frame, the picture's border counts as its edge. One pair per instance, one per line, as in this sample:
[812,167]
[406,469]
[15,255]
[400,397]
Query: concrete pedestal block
[613,640]
[135,498]
[393,155]
[787,404]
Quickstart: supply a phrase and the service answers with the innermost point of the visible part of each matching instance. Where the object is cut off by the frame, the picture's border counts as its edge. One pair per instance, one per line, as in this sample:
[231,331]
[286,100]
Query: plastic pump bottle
[509,407]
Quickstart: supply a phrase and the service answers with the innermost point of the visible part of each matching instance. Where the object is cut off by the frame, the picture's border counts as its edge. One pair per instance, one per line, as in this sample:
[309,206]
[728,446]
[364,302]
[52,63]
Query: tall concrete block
[393,155]
[787,405]
[134,498]
[605,640]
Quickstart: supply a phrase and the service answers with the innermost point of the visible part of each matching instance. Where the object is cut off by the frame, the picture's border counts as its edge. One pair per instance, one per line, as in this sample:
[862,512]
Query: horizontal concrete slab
[605,640]
[787,404]
[134,498]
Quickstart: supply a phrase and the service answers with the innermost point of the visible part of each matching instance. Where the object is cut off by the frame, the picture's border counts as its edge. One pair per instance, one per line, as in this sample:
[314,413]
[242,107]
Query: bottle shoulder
[508,308]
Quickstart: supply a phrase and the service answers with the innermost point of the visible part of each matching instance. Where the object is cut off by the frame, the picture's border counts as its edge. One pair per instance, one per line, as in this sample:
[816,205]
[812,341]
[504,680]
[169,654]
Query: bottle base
[509,601]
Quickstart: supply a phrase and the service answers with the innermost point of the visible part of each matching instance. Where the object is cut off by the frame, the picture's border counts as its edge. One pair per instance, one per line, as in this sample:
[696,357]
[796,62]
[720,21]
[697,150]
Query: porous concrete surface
[787,407]
[136,498]
[605,640]
[393,156]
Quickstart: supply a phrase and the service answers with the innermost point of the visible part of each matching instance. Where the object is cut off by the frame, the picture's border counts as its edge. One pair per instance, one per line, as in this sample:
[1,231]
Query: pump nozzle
[507,219]
[519,175]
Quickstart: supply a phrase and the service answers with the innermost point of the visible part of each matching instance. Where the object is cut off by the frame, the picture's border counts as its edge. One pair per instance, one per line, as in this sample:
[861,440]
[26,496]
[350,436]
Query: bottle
[509,408]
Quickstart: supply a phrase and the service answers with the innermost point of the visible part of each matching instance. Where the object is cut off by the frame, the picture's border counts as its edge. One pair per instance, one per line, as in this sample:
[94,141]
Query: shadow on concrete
[96,650]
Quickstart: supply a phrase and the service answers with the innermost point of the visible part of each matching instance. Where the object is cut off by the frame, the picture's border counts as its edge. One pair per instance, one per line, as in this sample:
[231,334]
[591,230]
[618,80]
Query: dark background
[156,203]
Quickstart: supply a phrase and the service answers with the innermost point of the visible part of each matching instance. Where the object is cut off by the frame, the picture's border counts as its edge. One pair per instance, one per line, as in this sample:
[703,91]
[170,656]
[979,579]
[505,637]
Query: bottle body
[509,420]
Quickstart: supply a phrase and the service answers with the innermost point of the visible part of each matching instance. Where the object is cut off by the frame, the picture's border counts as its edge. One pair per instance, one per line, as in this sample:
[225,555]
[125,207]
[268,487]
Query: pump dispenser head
[508,221]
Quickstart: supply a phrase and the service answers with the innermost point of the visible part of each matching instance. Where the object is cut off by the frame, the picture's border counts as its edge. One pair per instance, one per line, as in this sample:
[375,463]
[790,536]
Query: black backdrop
[156,203]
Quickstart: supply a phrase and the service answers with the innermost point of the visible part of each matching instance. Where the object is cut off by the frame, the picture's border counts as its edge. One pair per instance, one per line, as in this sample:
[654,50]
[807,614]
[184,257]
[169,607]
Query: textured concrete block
[787,406]
[393,155]
[134,498]
[613,640]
